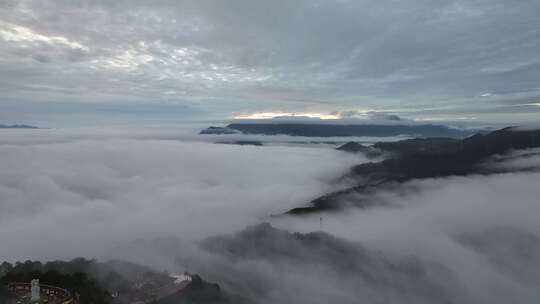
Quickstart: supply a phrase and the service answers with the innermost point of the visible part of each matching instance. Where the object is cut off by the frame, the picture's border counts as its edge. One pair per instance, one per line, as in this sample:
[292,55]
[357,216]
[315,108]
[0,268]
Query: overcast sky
[200,59]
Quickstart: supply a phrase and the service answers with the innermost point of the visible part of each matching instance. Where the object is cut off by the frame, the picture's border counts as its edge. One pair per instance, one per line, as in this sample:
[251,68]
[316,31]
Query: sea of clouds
[78,192]
[472,239]
[469,239]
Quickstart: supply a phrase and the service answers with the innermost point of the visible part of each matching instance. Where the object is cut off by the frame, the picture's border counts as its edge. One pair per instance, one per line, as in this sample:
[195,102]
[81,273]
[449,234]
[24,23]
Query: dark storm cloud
[247,55]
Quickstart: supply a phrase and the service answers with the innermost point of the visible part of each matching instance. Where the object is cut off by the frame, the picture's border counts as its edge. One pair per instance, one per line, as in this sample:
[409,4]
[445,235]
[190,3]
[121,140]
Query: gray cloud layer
[469,239]
[81,194]
[421,58]
[472,239]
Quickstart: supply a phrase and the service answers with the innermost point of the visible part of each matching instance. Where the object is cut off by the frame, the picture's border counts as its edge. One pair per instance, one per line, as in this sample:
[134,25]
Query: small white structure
[34,291]
[180,277]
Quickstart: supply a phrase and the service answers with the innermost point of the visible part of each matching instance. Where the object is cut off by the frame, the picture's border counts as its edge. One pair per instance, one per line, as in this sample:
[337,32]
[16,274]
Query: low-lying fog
[472,239]
[67,194]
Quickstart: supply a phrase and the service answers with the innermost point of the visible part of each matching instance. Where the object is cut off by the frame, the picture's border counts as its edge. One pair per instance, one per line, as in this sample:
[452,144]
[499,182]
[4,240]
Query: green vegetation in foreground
[75,275]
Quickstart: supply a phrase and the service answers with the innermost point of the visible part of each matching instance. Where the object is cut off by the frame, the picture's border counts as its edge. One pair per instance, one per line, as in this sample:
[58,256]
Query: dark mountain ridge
[17,126]
[337,130]
[354,269]
[427,158]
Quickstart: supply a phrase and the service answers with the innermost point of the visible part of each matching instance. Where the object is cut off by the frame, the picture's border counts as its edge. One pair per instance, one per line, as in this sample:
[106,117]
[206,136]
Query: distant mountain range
[338,130]
[241,143]
[219,131]
[422,158]
[17,127]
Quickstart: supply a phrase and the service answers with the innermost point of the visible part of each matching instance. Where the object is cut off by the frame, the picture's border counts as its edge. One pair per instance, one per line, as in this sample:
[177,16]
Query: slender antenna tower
[320,222]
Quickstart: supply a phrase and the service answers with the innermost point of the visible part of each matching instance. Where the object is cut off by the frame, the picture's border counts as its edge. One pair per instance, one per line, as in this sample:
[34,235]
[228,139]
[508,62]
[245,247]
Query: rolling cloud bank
[282,151]
[87,194]
[179,205]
